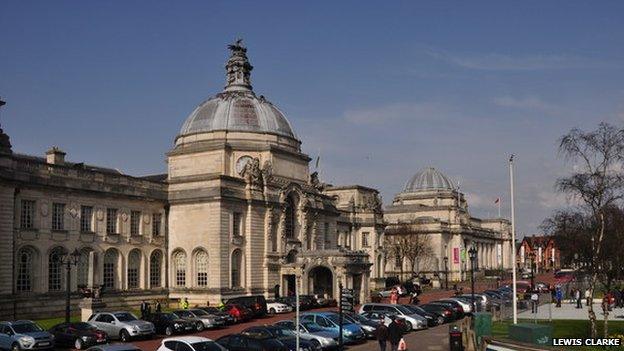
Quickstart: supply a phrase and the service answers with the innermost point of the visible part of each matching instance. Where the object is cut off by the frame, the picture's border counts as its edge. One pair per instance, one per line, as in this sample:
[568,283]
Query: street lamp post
[532,262]
[69,259]
[446,271]
[473,256]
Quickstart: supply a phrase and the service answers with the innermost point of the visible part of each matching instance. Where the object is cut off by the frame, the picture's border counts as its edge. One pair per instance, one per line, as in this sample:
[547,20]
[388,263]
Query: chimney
[55,156]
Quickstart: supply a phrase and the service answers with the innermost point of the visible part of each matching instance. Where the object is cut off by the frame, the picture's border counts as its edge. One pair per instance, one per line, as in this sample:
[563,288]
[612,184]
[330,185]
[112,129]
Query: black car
[369,326]
[458,310]
[219,313]
[78,335]
[240,342]
[432,319]
[443,313]
[169,324]
[256,303]
[311,300]
[278,333]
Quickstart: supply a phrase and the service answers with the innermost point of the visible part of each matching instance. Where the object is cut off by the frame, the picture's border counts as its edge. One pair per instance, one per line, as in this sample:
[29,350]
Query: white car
[274,307]
[189,343]
[412,320]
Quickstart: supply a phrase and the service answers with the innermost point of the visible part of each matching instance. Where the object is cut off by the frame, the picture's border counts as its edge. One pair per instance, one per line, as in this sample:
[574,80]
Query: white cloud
[529,102]
[496,61]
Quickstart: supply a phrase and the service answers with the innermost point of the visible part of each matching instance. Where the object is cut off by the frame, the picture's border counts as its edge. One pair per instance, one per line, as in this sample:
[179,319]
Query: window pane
[201,262]
[236,224]
[86,219]
[27,219]
[155,263]
[58,214]
[156,224]
[179,264]
[134,263]
[110,267]
[24,270]
[111,221]
[135,222]
[55,270]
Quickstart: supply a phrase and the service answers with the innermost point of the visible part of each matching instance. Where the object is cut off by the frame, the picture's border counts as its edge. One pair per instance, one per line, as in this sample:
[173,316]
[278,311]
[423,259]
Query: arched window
[25,258]
[236,266]
[179,268]
[82,267]
[55,269]
[201,267]
[111,259]
[289,224]
[155,264]
[134,265]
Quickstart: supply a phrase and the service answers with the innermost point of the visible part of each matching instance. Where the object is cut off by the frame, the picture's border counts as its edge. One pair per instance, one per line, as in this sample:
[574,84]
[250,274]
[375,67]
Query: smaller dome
[428,179]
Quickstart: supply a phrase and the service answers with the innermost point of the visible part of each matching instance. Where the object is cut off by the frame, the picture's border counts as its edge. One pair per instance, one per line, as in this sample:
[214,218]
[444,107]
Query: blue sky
[379,89]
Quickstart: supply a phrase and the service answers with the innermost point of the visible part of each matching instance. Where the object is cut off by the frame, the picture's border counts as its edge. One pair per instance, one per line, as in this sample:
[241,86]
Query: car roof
[117,347]
[17,322]
[189,339]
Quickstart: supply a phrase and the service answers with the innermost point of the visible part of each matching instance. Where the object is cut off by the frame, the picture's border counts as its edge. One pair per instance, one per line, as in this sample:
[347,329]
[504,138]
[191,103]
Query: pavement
[569,311]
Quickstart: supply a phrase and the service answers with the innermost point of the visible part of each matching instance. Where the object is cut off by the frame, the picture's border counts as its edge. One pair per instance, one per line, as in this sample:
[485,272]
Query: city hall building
[238,212]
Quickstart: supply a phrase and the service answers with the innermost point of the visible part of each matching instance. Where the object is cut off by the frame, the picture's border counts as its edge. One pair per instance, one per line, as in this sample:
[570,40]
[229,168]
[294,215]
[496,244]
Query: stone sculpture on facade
[253,174]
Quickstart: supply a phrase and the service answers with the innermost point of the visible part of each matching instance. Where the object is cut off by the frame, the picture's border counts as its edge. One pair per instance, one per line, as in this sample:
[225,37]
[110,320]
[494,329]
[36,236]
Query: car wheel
[168,331]
[408,326]
[316,345]
[78,344]
[200,326]
[272,311]
[440,320]
[124,335]
[15,347]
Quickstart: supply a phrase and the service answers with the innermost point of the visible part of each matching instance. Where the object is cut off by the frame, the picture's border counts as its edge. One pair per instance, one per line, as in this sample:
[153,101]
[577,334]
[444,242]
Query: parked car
[201,322]
[78,335]
[432,320]
[190,343]
[412,320]
[238,312]
[445,314]
[122,325]
[277,333]
[114,347]
[24,335]
[457,312]
[310,300]
[304,304]
[352,333]
[240,342]
[256,303]
[328,339]
[169,323]
[368,325]
[466,305]
[227,318]
[278,307]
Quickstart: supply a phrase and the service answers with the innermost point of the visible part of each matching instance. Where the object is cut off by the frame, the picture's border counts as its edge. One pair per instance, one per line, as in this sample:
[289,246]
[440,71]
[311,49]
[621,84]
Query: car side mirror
[112,322]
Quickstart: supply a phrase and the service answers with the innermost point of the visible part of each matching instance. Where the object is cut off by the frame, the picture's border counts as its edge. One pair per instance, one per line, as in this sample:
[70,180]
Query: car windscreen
[278,332]
[336,319]
[168,316]
[206,346]
[200,312]
[125,317]
[26,328]
[82,326]
[403,309]
[312,327]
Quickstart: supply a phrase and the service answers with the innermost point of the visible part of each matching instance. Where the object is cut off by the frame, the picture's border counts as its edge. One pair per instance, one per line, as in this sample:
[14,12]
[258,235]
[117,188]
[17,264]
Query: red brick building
[545,252]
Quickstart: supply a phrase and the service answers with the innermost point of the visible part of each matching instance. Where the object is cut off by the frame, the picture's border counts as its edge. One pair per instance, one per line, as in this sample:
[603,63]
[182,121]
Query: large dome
[428,179]
[237,108]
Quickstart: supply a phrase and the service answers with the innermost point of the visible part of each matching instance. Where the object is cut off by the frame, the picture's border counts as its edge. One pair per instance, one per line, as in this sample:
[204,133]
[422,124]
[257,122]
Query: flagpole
[513,242]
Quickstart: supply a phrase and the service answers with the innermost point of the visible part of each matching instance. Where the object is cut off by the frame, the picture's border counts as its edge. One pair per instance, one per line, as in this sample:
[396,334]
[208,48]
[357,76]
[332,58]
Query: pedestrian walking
[534,301]
[381,334]
[558,296]
[579,302]
[588,297]
[157,306]
[395,334]
[184,304]
[394,296]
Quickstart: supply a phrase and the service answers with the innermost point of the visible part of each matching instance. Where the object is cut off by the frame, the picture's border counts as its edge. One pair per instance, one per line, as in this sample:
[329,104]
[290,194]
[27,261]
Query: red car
[239,312]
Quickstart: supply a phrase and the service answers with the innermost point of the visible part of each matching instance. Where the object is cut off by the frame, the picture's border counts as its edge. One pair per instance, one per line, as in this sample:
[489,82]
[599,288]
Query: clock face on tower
[240,164]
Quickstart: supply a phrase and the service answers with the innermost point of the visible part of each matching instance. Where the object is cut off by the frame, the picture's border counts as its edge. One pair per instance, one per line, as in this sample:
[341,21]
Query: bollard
[455,338]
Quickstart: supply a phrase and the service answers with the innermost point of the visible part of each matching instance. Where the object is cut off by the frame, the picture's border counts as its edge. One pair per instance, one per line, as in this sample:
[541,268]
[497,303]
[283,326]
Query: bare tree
[597,183]
[395,246]
[403,244]
[417,251]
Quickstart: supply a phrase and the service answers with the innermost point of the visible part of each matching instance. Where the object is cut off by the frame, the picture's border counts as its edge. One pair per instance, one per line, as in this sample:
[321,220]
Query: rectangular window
[109,275]
[348,240]
[156,224]
[326,235]
[180,277]
[237,219]
[27,220]
[135,222]
[133,278]
[365,236]
[58,216]
[111,221]
[86,219]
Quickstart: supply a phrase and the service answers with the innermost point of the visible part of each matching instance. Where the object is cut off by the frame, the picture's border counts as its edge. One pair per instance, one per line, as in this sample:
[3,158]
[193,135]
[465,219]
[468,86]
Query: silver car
[312,332]
[201,318]
[122,325]
[412,320]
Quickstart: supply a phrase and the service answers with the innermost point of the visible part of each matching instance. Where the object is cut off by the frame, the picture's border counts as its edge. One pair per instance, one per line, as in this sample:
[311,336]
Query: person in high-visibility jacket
[184,304]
